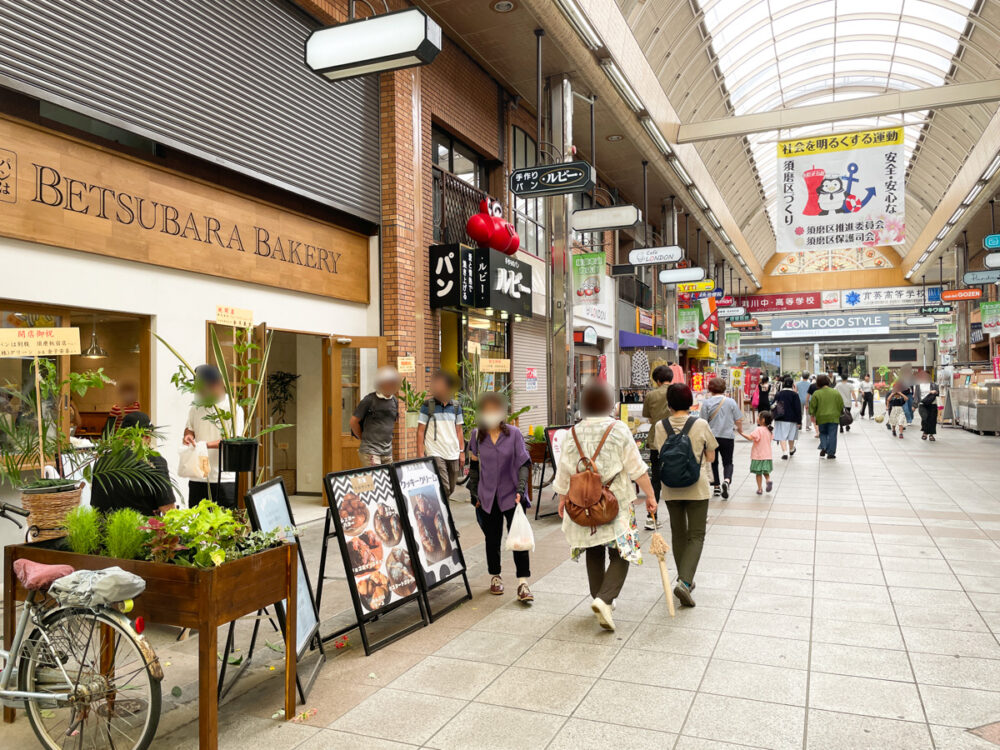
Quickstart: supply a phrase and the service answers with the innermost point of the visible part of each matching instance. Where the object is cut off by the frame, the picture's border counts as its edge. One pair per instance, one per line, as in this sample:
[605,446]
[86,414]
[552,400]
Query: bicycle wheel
[537,470]
[114,701]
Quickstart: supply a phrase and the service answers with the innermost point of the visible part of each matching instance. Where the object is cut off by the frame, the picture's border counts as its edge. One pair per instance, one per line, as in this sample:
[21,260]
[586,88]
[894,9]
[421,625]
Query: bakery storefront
[123,249]
[480,294]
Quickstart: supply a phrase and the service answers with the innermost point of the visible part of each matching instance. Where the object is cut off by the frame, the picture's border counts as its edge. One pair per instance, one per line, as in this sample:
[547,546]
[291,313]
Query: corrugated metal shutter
[223,80]
[528,350]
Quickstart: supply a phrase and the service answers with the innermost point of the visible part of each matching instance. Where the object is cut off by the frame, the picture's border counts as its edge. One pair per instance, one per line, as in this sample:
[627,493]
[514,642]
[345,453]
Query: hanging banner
[643,321]
[842,190]
[947,335]
[588,275]
[732,344]
[688,319]
[990,316]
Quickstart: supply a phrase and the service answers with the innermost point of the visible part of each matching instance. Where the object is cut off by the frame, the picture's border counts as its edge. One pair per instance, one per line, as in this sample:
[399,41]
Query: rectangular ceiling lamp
[699,198]
[581,24]
[629,94]
[976,190]
[725,237]
[957,215]
[992,168]
[681,172]
[401,39]
[605,219]
[656,135]
[944,230]
[711,219]
[681,275]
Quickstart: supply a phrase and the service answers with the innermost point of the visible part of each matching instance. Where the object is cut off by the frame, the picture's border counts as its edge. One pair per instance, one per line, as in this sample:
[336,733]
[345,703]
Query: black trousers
[654,464]
[868,402]
[725,450]
[492,524]
[223,494]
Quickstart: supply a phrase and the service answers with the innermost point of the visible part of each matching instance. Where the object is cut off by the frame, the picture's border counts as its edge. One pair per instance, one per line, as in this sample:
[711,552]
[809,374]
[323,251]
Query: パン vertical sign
[842,190]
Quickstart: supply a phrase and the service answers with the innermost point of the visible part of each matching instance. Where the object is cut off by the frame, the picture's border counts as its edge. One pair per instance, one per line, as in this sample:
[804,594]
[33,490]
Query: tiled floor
[857,606]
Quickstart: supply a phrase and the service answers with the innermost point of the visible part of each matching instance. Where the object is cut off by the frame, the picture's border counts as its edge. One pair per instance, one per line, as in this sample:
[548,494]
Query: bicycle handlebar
[8,508]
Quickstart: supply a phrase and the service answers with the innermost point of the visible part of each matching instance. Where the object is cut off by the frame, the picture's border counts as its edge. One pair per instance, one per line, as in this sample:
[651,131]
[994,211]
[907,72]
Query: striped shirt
[119,412]
[440,436]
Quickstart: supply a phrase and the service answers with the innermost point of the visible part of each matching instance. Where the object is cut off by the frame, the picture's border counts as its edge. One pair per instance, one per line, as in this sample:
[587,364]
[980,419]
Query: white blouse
[619,458]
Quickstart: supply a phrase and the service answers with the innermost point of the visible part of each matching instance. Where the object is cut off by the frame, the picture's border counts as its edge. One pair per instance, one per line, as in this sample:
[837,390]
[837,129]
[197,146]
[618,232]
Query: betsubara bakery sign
[64,192]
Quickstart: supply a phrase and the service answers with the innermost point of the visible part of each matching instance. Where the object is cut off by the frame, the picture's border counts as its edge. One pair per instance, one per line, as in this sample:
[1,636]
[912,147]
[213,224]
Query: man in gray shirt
[802,387]
[725,419]
[375,418]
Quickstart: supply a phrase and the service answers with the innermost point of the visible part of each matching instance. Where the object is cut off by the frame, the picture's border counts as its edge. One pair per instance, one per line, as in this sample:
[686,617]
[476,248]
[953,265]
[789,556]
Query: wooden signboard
[65,192]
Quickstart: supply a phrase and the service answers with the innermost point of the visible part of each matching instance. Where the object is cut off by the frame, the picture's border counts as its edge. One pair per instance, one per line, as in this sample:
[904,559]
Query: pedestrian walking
[825,407]
[498,482]
[725,419]
[763,394]
[895,404]
[375,419]
[761,463]
[606,445]
[787,413]
[686,446]
[803,389]
[867,389]
[440,432]
[654,408]
[929,411]
[846,391]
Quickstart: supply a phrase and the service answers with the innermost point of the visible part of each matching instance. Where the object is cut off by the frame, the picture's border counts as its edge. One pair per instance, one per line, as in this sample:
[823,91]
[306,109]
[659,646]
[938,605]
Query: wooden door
[349,366]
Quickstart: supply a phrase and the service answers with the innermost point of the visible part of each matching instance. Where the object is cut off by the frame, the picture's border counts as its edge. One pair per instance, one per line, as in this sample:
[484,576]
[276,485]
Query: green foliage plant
[473,387]
[280,392]
[414,399]
[83,530]
[124,536]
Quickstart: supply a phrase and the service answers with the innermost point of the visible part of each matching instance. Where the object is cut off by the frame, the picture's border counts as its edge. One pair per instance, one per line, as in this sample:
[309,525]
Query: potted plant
[414,400]
[535,440]
[473,387]
[280,392]
[238,446]
[50,492]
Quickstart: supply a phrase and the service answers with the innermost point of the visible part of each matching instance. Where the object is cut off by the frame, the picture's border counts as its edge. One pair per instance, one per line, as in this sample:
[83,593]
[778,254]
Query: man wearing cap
[375,419]
[113,493]
[203,427]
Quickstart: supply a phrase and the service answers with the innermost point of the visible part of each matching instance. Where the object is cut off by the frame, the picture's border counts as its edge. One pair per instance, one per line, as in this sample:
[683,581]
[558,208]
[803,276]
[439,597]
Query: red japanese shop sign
[755,303]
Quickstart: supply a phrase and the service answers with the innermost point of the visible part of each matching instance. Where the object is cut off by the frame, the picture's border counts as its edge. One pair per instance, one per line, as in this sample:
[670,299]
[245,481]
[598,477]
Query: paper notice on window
[39,342]
[233,316]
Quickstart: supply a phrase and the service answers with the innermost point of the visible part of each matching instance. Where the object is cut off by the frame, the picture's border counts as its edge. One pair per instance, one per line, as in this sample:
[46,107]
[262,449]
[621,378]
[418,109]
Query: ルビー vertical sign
[842,190]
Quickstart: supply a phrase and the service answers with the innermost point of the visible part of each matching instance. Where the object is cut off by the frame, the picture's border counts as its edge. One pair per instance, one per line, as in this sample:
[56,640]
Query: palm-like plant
[119,456]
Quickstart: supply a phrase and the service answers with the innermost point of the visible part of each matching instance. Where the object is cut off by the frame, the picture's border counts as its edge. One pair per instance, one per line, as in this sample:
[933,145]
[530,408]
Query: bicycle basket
[96,588]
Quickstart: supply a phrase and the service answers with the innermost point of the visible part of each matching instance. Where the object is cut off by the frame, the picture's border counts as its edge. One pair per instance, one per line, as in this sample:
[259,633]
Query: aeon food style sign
[829,325]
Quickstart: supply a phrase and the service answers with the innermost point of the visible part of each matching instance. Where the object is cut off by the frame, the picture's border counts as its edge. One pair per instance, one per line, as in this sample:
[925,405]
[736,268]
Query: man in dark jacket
[112,493]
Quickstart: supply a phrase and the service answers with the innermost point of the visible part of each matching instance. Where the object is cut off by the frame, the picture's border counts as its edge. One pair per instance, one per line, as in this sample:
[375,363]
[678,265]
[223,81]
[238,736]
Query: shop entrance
[852,363]
[314,381]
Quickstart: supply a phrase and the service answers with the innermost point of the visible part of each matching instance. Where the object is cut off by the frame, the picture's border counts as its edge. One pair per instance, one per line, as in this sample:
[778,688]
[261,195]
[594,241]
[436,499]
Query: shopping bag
[520,537]
[194,462]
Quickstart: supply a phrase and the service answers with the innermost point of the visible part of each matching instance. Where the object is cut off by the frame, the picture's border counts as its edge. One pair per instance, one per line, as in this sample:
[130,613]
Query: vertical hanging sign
[588,273]
[842,190]
[688,320]
[732,345]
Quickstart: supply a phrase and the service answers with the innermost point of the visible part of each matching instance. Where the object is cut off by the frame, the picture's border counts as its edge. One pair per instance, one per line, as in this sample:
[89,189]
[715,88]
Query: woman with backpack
[598,463]
[686,448]
[787,413]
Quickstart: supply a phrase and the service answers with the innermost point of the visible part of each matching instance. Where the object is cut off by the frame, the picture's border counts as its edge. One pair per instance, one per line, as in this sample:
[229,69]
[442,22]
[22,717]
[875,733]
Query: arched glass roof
[789,53]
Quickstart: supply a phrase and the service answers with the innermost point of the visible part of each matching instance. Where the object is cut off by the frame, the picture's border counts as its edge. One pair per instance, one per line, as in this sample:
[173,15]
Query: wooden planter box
[536,451]
[197,598]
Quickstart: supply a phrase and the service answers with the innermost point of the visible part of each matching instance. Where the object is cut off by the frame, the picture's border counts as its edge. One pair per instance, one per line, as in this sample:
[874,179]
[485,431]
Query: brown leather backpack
[589,501]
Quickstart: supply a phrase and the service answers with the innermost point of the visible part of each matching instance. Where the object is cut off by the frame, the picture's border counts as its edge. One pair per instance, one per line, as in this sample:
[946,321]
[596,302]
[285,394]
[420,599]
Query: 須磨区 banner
[841,190]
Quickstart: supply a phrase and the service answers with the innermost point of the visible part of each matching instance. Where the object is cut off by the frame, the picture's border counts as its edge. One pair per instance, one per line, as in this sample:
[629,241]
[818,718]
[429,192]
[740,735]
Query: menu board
[439,555]
[268,508]
[554,436]
[380,570]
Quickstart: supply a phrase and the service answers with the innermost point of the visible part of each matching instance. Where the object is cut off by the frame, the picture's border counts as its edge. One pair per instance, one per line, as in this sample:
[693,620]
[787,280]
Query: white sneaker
[651,525]
[603,612]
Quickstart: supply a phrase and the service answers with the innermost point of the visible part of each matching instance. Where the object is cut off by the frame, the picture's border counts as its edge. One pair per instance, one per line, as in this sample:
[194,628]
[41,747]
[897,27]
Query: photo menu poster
[378,561]
[437,547]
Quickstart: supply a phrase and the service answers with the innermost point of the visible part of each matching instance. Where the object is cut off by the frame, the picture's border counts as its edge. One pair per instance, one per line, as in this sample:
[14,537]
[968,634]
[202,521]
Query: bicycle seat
[35,576]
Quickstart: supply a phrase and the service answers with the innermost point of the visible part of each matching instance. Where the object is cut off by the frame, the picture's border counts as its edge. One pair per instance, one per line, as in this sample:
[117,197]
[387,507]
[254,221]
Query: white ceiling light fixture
[581,24]
[712,219]
[681,172]
[724,236]
[378,43]
[656,135]
[504,6]
[976,190]
[957,215]
[699,198]
[934,244]
[621,83]
[944,230]
[681,275]
[992,168]
[605,218]
[924,257]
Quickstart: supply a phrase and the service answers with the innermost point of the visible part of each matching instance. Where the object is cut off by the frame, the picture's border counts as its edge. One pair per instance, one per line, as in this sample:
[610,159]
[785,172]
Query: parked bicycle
[85,675]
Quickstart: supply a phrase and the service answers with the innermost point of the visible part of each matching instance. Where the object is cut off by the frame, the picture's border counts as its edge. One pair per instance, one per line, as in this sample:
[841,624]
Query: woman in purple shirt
[498,480]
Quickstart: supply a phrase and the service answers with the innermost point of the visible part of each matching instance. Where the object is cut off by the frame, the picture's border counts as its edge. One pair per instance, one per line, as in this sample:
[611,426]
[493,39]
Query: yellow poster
[39,342]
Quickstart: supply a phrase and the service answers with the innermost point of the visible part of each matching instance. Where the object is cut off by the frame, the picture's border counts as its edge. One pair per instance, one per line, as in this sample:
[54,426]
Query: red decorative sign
[958,295]
[726,301]
[489,229]
[756,303]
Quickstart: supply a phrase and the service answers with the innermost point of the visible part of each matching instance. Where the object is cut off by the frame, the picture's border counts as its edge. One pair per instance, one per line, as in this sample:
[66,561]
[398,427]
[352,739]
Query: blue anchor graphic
[852,169]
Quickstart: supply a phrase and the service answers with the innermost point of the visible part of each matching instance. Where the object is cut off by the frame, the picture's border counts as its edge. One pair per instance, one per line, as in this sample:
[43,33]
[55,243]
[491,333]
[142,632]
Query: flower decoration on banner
[488,228]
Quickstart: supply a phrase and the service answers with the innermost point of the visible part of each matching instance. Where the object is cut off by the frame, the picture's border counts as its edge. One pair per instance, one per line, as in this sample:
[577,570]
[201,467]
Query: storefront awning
[630,340]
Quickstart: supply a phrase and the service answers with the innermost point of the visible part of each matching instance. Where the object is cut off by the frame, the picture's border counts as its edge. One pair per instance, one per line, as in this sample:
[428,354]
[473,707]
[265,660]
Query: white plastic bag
[520,537]
[194,462]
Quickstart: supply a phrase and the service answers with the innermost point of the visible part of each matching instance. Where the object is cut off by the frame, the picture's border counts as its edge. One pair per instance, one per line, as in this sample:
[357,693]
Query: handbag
[589,501]
[846,420]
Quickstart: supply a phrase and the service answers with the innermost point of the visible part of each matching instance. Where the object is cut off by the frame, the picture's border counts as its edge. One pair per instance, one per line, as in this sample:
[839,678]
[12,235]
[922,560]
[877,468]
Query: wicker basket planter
[47,508]
[536,451]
